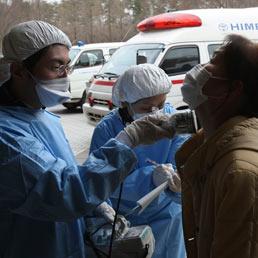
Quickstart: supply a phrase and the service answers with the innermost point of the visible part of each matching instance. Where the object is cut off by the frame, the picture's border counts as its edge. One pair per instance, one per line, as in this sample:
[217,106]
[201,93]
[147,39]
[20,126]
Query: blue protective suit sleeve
[36,184]
[103,132]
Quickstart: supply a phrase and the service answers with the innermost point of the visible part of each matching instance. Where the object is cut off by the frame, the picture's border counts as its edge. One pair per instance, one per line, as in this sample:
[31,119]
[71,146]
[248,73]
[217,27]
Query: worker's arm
[36,184]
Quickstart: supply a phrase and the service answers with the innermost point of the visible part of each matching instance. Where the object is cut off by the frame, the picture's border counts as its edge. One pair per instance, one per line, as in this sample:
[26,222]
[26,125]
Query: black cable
[114,224]
[90,242]
[97,251]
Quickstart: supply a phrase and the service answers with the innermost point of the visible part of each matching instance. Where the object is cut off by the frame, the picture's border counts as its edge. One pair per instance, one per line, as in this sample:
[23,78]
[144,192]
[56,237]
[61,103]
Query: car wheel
[70,106]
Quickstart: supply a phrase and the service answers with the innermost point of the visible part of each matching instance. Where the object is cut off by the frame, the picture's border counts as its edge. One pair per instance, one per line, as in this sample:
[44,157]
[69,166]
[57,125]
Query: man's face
[51,65]
[216,89]
[48,67]
[218,85]
[223,96]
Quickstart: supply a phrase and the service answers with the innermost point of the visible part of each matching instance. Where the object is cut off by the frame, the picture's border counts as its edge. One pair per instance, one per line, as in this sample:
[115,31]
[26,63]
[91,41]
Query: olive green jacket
[220,191]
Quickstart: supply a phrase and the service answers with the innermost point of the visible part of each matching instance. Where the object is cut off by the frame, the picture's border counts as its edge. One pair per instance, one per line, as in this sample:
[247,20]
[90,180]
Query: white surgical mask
[140,115]
[193,84]
[52,92]
[136,116]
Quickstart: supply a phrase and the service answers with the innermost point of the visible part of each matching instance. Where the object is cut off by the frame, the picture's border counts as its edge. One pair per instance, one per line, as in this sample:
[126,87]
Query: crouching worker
[139,92]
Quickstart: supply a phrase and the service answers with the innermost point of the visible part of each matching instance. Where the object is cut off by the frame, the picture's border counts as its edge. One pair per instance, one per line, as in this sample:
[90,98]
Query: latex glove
[165,172]
[149,129]
[106,211]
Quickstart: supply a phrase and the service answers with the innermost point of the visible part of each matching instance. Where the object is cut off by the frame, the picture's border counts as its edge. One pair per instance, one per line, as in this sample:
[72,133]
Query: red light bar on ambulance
[169,21]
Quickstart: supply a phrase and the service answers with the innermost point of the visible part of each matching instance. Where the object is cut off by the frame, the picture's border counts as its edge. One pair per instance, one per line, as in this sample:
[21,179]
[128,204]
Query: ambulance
[174,41]
[86,60]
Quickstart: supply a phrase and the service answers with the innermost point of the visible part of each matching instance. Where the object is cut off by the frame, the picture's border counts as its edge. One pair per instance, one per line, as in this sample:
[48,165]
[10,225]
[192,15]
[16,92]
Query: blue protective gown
[164,213]
[43,193]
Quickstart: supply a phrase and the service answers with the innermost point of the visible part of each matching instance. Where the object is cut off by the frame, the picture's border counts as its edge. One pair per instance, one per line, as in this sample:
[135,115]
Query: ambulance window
[126,56]
[147,55]
[212,48]
[90,58]
[179,60]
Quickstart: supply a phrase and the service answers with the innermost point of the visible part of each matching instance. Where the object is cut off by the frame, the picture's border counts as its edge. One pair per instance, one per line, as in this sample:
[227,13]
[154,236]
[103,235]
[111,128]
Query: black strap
[6,97]
[125,116]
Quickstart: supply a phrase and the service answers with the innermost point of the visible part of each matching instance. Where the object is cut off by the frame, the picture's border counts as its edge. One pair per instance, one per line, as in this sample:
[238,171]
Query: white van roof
[215,25]
[99,45]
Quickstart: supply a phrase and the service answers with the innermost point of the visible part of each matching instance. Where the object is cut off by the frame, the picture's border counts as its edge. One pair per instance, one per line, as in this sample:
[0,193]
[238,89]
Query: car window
[90,58]
[212,48]
[179,60]
[100,57]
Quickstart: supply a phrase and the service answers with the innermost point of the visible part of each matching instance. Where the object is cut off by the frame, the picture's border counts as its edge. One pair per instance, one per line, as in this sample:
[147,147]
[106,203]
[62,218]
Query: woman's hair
[239,57]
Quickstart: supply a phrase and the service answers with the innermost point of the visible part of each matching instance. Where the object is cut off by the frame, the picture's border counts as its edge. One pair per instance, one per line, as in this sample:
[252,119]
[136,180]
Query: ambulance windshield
[129,55]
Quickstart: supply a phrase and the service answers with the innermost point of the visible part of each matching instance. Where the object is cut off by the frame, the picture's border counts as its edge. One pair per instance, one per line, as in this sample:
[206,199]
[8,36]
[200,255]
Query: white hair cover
[27,38]
[139,82]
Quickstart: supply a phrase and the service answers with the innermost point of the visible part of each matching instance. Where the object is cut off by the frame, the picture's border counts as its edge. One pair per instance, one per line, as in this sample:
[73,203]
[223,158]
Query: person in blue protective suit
[44,193]
[142,90]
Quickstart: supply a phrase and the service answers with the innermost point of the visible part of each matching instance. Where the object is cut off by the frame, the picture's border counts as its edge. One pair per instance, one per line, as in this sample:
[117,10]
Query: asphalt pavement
[81,156]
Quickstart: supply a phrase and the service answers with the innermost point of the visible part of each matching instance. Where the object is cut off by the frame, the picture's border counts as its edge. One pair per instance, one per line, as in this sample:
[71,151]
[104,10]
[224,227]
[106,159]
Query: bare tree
[10,14]
[99,20]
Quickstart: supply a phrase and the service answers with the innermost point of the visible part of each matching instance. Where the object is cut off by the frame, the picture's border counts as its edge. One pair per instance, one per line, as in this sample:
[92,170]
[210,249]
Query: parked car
[86,61]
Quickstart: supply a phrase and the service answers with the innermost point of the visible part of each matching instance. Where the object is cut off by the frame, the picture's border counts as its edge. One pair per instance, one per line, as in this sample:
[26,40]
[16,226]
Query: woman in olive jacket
[219,165]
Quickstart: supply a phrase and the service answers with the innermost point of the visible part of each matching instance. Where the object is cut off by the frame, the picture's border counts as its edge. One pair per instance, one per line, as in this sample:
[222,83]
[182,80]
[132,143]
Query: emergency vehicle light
[169,21]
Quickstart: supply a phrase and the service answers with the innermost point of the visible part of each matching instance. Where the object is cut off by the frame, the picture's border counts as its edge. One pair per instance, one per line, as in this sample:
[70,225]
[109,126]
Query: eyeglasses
[62,68]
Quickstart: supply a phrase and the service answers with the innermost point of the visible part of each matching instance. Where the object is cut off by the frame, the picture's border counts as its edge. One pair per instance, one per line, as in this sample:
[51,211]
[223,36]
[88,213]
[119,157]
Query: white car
[86,61]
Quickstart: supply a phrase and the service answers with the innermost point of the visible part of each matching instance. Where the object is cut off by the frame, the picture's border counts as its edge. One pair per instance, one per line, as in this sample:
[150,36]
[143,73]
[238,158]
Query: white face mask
[193,84]
[140,115]
[52,92]
[136,116]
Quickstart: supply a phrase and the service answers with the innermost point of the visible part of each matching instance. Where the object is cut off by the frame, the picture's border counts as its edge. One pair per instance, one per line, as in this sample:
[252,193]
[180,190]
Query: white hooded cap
[27,38]
[139,82]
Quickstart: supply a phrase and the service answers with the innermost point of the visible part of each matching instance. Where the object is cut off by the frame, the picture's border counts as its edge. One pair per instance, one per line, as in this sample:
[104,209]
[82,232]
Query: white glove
[124,138]
[106,211]
[149,129]
[165,172]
